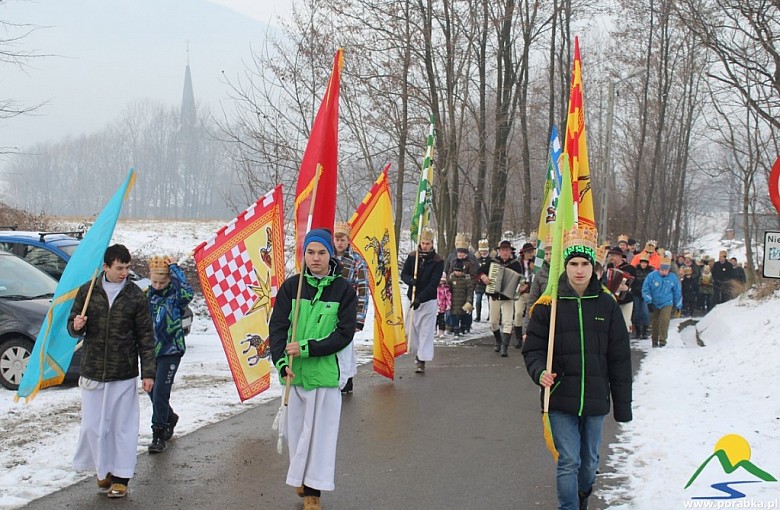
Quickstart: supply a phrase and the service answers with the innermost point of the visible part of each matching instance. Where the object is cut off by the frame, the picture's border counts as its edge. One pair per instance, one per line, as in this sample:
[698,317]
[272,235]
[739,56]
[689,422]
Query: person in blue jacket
[168,296]
[662,293]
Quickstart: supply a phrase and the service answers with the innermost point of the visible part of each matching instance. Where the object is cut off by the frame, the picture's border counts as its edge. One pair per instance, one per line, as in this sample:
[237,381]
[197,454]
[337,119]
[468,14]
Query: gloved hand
[468,307]
[416,304]
[650,308]
[412,281]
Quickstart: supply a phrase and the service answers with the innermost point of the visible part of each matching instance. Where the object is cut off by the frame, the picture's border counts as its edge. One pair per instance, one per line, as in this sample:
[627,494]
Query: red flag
[321,157]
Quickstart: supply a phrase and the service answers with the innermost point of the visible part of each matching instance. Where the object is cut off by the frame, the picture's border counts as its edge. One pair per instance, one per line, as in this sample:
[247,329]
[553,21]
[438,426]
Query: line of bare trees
[495,75]
[181,169]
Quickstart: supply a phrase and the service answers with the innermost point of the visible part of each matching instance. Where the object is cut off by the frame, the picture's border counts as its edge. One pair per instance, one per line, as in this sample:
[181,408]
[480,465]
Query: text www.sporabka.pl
[742,503]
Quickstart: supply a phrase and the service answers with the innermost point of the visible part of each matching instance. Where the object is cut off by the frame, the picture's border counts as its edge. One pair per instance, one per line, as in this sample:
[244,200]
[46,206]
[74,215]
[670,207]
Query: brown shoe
[311,503]
[299,491]
[105,483]
[117,490]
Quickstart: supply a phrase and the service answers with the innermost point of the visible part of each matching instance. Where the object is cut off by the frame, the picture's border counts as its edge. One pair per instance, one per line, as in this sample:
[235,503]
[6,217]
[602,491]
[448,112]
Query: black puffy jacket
[591,353]
[430,267]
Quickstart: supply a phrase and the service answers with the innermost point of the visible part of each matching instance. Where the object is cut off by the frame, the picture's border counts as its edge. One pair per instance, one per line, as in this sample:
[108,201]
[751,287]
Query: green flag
[564,220]
[422,207]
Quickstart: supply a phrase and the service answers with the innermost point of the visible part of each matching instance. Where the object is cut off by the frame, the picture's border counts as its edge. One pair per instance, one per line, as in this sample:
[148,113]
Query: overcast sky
[111,53]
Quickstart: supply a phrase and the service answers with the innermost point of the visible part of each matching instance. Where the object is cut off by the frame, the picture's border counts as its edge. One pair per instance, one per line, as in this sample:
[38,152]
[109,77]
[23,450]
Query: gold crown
[484,245]
[426,235]
[534,236]
[623,237]
[342,228]
[651,242]
[460,241]
[158,265]
[601,253]
[584,235]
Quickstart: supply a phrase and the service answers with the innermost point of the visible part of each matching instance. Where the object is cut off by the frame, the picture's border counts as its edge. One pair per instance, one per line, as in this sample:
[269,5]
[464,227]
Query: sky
[124,51]
[687,399]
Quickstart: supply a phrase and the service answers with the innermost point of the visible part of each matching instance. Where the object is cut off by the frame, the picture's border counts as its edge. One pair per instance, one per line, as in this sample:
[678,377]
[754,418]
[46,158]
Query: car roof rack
[9,227]
[78,234]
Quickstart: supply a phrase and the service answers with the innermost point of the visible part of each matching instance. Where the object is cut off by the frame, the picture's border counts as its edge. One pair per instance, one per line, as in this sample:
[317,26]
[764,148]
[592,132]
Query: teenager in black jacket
[591,364]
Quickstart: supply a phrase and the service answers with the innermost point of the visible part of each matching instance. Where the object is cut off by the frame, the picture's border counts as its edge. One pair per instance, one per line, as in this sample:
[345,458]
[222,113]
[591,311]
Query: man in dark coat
[722,274]
[591,365]
[421,321]
[502,306]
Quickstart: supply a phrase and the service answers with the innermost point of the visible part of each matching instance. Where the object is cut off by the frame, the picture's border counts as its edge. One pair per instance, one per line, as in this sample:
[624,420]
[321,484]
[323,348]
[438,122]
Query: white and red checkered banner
[240,270]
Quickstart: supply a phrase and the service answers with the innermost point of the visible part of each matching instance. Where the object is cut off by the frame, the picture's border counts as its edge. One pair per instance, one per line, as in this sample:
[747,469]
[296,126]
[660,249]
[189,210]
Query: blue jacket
[662,291]
[167,306]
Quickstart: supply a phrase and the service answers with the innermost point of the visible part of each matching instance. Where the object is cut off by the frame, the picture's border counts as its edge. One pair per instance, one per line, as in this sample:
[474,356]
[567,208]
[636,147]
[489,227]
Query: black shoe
[347,387]
[583,497]
[158,441]
[173,419]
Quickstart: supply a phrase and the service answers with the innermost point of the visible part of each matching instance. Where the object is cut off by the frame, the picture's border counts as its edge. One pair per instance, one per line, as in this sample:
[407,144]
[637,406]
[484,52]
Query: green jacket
[326,325]
[115,338]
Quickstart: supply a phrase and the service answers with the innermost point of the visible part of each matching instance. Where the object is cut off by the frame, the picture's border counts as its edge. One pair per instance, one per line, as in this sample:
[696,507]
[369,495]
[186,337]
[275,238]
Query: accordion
[615,277]
[503,281]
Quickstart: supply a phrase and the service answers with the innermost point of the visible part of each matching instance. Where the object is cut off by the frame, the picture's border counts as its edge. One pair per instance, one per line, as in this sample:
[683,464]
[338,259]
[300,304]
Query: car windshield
[20,280]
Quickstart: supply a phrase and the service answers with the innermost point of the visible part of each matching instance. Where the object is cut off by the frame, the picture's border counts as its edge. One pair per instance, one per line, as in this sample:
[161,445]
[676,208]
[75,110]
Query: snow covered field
[686,398]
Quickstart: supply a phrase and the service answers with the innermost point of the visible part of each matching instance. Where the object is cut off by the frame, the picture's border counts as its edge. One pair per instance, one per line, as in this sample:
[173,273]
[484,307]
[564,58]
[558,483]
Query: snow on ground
[686,398]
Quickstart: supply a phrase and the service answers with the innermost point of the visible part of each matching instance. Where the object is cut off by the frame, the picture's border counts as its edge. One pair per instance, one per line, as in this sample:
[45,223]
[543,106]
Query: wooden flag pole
[86,303]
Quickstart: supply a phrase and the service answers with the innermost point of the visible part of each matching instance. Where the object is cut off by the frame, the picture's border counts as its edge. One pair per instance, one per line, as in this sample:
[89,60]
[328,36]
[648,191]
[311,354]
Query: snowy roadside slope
[686,398]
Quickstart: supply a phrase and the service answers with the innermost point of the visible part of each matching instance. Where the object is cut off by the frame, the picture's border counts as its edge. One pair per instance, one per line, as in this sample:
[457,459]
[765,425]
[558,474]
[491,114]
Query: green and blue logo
[733,453]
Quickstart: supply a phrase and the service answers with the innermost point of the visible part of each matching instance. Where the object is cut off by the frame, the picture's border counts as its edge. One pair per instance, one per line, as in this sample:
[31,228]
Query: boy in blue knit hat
[308,358]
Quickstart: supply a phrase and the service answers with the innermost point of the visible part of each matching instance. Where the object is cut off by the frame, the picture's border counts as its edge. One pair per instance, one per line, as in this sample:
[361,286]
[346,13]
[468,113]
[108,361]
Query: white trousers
[108,440]
[502,313]
[520,309]
[627,309]
[421,328]
[312,430]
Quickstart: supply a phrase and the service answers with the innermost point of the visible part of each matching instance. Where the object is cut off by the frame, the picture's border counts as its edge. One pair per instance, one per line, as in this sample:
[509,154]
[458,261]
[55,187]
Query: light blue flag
[552,189]
[54,346]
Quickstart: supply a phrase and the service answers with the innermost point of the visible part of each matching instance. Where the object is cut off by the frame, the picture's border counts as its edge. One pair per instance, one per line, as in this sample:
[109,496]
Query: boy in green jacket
[326,324]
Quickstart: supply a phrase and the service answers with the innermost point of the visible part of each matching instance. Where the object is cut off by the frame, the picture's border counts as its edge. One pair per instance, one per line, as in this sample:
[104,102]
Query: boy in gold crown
[591,364]
[168,296]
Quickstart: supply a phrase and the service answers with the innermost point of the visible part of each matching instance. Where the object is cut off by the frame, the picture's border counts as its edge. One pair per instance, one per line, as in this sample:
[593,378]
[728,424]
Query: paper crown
[342,228]
[623,238]
[158,265]
[666,258]
[534,236]
[460,241]
[581,236]
[651,242]
[484,245]
[426,235]
[601,253]
[581,239]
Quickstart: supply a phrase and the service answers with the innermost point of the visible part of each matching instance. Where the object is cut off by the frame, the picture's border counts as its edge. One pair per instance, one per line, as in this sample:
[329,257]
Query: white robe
[312,430]
[420,334]
[108,439]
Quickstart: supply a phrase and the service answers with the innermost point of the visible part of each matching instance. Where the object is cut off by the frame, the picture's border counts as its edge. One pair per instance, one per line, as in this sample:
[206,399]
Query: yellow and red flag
[321,156]
[576,145]
[241,269]
[373,237]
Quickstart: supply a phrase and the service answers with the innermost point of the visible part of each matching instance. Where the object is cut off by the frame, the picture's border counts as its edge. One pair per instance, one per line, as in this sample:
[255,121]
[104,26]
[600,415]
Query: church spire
[188,116]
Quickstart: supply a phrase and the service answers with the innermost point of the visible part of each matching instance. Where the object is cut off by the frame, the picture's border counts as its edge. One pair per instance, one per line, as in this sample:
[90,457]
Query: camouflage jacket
[115,338]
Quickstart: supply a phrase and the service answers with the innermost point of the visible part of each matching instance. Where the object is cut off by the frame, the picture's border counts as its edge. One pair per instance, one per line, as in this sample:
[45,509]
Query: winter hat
[631,242]
[457,265]
[580,242]
[615,250]
[461,250]
[342,228]
[322,236]
[443,277]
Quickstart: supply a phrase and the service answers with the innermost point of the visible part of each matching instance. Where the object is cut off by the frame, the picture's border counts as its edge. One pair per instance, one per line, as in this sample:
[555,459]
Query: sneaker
[172,421]
[420,367]
[117,490]
[105,483]
[158,441]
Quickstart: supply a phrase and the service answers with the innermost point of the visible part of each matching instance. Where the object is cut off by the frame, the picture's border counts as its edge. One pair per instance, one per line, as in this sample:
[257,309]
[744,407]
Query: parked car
[51,251]
[25,297]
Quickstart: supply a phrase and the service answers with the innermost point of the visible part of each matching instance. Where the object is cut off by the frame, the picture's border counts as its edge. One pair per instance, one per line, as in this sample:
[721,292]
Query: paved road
[466,435]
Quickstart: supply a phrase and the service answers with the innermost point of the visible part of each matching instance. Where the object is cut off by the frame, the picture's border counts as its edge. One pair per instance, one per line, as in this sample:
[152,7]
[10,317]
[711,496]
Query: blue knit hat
[322,236]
